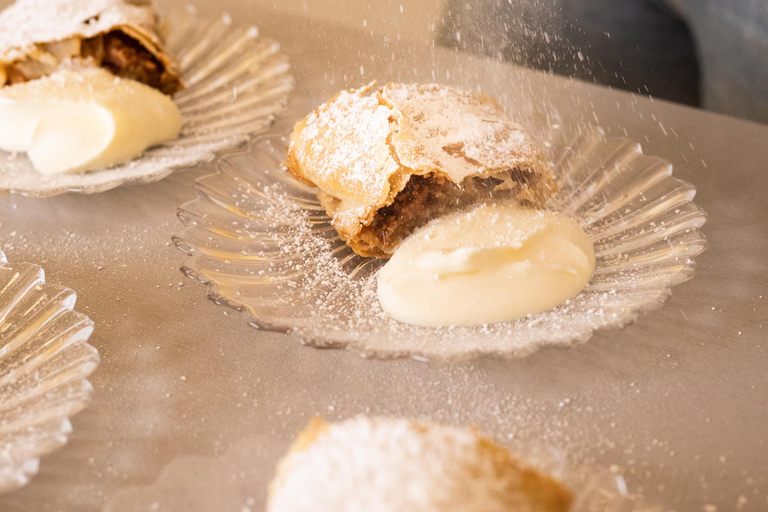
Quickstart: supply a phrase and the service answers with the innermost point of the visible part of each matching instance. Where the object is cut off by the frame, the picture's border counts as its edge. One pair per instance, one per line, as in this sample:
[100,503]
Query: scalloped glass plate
[263,244]
[239,480]
[45,360]
[236,83]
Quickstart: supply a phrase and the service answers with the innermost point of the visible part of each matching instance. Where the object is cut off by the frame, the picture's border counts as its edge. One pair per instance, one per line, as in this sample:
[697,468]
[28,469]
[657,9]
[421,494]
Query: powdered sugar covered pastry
[123,36]
[398,465]
[388,160]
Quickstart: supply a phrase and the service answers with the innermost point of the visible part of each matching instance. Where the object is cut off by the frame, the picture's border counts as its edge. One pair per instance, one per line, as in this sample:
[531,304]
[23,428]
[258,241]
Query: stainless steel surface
[677,401]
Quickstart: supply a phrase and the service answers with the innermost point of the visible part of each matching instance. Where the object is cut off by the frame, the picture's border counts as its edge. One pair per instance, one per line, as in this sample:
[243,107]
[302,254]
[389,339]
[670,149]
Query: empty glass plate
[263,244]
[236,83]
[44,363]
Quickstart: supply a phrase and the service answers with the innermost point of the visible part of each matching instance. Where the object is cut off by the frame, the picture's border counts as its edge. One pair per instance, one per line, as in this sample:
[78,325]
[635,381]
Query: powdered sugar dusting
[345,142]
[458,132]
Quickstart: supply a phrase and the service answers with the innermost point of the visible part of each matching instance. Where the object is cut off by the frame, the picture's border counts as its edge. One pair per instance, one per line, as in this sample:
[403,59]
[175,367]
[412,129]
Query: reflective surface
[676,401]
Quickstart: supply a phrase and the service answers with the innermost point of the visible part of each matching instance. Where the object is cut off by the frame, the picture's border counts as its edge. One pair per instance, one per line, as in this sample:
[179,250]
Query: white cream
[492,264]
[83,119]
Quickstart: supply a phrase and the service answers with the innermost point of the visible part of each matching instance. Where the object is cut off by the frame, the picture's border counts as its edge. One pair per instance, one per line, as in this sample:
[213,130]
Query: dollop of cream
[80,119]
[491,264]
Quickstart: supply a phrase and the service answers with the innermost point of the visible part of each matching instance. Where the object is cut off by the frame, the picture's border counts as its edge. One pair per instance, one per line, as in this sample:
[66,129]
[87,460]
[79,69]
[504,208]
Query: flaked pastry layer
[389,160]
[122,36]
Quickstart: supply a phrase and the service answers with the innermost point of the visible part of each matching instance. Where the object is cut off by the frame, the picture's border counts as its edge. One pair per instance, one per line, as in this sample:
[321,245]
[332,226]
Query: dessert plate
[44,364]
[262,243]
[236,83]
[238,480]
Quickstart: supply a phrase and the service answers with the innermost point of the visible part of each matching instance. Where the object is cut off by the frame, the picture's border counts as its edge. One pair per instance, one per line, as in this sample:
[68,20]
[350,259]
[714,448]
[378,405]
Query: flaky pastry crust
[388,160]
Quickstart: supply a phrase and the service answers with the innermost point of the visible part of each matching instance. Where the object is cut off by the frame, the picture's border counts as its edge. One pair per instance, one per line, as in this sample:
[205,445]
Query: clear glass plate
[263,244]
[236,83]
[44,364]
[239,480]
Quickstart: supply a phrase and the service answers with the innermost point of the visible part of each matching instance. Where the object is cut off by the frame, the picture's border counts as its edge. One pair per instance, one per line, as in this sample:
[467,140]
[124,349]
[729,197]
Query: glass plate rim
[20,475]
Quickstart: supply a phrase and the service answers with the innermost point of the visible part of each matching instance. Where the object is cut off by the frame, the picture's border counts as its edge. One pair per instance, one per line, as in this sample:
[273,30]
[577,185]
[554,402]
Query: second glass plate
[236,82]
[45,361]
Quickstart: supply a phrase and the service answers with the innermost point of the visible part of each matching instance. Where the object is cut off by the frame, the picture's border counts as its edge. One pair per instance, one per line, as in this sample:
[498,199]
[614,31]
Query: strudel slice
[123,36]
[388,160]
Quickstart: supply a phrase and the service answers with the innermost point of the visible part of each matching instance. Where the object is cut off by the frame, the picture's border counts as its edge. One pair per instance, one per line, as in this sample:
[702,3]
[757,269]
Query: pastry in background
[386,161]
[399,465]
[84,84]
[122,36]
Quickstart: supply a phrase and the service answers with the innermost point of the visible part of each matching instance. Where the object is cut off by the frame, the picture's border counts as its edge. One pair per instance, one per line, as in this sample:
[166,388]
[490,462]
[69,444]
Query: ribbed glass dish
[45,360]
[236,83]
[239,479]
[263,244]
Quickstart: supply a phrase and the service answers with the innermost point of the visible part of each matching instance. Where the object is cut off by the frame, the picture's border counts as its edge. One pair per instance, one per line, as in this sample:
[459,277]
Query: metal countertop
[677,401]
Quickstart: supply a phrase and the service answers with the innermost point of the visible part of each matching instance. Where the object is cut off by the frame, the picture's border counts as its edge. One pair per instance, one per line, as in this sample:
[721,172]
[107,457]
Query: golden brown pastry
[123,36]
[398,465]
[389,160]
